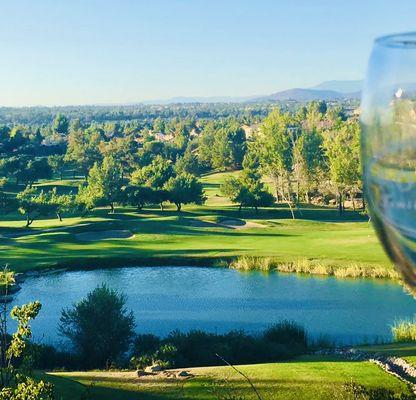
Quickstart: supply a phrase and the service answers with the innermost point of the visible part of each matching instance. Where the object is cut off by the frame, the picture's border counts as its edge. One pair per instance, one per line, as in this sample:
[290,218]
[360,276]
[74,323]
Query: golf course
[211,234]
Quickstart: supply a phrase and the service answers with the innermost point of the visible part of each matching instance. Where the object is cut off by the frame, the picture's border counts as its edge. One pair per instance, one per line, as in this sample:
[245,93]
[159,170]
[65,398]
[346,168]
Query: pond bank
[243,263]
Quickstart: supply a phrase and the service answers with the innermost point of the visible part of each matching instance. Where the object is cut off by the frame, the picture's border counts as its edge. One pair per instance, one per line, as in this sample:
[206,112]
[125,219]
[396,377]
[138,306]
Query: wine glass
[388,148]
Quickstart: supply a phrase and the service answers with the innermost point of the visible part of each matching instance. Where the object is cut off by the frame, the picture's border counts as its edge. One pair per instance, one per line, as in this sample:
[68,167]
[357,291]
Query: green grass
[193,236]
[307,378]
[404,350]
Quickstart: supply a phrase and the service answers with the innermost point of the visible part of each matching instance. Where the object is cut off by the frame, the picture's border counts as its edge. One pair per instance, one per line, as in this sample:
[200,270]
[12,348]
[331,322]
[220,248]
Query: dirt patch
[93,236]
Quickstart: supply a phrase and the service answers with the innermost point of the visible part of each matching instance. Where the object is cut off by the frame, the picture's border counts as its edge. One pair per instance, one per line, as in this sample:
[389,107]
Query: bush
[282,341]
[99,327]
[287,332]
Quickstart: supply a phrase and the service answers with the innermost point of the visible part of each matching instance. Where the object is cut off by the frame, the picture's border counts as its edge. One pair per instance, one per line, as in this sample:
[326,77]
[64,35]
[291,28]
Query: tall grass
[404,330]
[306,266]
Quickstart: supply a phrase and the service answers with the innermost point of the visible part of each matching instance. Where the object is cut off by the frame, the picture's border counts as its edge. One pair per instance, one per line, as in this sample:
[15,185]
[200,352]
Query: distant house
[250,130]
[162,137]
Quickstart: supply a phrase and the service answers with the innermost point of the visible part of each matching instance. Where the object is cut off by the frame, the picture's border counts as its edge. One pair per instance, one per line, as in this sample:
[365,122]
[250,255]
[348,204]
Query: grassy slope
[404,350]
[307,378]
[169,237]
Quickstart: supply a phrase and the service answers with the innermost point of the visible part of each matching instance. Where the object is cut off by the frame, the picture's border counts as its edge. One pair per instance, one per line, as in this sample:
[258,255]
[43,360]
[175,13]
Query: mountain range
[328,90]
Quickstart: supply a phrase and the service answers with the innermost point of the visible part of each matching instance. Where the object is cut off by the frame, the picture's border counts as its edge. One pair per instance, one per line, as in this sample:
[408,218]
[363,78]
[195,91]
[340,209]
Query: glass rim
[405,40]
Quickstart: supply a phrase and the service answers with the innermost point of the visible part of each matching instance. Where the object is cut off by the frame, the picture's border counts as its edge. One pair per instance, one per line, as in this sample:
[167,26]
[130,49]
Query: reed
[314,267]
[404,330]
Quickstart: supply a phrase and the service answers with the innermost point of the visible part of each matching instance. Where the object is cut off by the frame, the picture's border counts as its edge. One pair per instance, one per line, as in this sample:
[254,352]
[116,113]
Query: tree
[33,204]
[86,325]
[155,175]
[15,383]
[307,162]
[35,169]
[138,196]
[275,147]
[59,204]
[184,189]
[61,124]
[103,186]
[122,151]
[7,202]
[187,163]
[57,164]
[83,147]
[342,154]
[14,167]
[248,190]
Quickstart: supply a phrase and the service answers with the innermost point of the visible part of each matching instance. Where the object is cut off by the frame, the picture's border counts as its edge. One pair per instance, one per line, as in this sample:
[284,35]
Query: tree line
[310,154]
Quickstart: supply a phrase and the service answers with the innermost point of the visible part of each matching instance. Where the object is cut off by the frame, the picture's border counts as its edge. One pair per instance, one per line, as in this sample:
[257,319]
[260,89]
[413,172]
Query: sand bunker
[103,235]
[201,223]
[240,224]
[229,223]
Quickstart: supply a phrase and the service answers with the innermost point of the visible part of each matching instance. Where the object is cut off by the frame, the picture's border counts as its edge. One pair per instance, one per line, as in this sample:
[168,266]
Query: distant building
[250,130]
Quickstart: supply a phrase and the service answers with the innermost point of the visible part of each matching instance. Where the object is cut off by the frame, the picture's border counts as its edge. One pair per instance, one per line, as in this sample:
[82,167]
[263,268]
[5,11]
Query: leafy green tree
[61,124]
[83,147]
[15,382]
[188,163]
[206,144]
[86,324]
[275,147]
[34,170]
[57,164]
[237,137]
[184,189]
[113,130]
[103,186]
[341,147]
[33,204]
[248,189]
[158,125]
[138,196]
[59,204]
[155,175]
[122,150]
[308,161]
[14,167]
[19,137]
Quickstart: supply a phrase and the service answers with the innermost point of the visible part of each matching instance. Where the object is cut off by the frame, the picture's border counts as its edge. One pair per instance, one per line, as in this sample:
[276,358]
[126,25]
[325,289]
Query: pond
[220,299]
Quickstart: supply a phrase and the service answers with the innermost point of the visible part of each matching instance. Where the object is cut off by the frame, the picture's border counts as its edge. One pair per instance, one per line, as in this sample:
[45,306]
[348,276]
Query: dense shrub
[287,332]
[282,341]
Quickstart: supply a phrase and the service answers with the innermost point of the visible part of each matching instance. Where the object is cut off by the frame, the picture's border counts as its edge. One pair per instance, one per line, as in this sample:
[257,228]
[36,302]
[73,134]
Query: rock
[183,374]
[140,373]
[153,368]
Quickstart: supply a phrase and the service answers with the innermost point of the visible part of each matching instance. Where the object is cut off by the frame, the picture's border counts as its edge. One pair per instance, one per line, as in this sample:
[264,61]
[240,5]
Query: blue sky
[85,51]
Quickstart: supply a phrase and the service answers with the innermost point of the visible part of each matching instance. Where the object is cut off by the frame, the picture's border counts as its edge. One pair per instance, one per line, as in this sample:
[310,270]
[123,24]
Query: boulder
[153,368]
[183,374]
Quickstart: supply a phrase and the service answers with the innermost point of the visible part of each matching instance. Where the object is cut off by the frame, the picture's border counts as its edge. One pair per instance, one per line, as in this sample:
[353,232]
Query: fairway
[196,236]
[307,378]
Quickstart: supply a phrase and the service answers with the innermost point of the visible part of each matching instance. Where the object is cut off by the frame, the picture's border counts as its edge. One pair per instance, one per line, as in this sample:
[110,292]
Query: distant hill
[299,94]
[340,86]
[212,99]
[328,90]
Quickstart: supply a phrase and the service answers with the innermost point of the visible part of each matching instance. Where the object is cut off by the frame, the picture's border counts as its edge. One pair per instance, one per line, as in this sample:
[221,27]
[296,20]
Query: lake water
[219,300]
